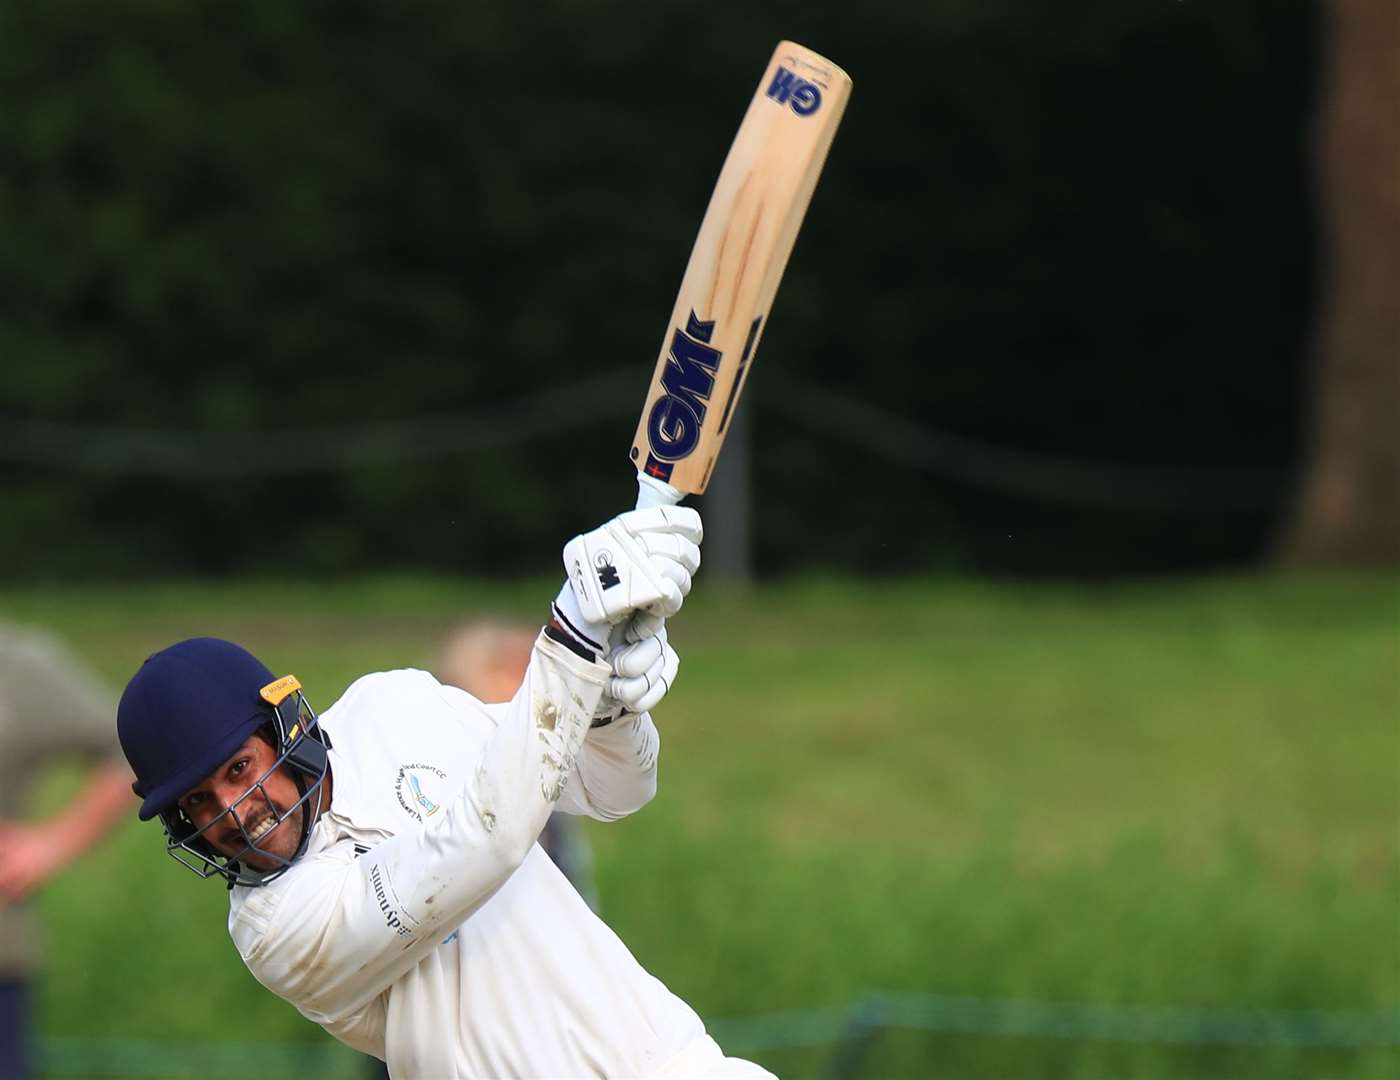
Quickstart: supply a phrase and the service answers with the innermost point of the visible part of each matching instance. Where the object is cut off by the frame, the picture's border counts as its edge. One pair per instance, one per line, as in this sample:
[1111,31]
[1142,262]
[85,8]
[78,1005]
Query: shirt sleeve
[334,932]
[615,770]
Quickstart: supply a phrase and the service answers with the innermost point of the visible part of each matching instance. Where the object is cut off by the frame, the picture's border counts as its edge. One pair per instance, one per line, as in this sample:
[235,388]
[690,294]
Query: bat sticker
[673,428]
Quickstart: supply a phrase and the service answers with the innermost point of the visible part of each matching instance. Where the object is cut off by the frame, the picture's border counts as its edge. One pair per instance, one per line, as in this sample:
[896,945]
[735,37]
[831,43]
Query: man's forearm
[103,800]
[616,769]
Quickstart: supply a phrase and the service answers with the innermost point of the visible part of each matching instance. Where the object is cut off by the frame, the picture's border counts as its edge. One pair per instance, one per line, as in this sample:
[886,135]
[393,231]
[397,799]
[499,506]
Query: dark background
[1061,264]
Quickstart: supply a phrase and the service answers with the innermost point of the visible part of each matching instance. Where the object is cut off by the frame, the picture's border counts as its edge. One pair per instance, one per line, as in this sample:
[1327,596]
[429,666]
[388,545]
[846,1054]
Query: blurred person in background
[487,658]
[52,711]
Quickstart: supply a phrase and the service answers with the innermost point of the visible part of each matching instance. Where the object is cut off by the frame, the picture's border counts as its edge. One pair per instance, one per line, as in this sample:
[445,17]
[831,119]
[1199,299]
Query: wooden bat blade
[740,253]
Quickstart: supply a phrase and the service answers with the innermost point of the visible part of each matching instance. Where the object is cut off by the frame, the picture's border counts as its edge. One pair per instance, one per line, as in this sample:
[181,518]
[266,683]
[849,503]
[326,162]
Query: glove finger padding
[661,684]
[675,520]
[643,692]
[613,572]
[631,661]
[639,627]
[671,546]
[677,574]
[672,595]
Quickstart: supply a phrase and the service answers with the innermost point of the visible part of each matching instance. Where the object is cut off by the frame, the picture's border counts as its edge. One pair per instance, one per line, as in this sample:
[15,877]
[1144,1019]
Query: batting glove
[639,561]
[643,673]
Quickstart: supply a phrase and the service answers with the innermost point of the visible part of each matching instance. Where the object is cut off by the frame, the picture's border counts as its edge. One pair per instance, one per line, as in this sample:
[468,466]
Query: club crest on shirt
[409,787]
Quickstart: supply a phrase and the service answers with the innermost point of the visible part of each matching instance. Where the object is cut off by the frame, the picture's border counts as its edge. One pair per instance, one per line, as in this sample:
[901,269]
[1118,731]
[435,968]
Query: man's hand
[639,561]
[30,854]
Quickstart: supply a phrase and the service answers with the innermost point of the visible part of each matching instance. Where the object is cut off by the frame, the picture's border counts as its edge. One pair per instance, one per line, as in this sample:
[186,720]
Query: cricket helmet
[184,713]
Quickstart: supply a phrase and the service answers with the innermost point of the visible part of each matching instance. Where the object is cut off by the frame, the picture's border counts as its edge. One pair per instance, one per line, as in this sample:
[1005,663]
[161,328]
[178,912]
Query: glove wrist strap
[572,630]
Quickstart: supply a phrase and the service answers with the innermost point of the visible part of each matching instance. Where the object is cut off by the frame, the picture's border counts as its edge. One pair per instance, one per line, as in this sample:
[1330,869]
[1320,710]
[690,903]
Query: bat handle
[653,492]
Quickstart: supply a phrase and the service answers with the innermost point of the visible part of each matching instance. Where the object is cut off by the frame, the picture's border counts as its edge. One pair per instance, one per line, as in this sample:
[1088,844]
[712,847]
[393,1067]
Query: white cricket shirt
[425,926]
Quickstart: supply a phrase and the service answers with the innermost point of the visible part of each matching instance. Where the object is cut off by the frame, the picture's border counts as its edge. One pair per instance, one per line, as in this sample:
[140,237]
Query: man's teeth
[265,827]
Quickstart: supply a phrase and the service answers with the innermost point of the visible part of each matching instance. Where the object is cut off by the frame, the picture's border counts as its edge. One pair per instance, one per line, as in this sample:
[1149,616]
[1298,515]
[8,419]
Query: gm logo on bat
[673,426]
[802,97]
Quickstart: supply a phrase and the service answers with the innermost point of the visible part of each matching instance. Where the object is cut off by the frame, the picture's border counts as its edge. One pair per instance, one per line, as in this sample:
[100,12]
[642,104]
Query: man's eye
[238,767]
[191,801]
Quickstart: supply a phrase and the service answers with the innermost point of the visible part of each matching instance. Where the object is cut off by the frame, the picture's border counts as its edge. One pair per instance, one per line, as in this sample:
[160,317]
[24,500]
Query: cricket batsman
[381,859]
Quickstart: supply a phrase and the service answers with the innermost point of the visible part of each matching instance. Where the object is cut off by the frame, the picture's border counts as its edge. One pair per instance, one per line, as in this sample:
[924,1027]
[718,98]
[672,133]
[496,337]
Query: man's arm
[615,770]
[61,711]
[31,852]
[617,764]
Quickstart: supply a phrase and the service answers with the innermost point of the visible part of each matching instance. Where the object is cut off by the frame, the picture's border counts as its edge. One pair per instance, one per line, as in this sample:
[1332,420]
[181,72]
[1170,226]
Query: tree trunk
[1348,510]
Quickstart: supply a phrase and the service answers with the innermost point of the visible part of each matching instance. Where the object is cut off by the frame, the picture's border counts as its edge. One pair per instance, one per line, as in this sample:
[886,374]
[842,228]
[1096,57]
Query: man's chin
[260,860]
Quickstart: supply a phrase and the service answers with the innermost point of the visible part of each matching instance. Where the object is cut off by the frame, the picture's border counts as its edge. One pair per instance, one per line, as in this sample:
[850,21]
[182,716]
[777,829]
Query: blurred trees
[1350,505]
[1048,242]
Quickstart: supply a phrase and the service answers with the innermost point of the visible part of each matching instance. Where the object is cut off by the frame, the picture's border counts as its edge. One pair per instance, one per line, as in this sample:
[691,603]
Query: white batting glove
[643,673]
[639,561]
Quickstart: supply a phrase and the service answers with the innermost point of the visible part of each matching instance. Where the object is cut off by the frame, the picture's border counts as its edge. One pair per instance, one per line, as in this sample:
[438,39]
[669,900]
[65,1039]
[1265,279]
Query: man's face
[226,786]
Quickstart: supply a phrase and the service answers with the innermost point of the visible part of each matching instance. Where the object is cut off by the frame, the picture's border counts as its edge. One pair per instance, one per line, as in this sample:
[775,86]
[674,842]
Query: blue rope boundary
[1060,1020]
[873,1013]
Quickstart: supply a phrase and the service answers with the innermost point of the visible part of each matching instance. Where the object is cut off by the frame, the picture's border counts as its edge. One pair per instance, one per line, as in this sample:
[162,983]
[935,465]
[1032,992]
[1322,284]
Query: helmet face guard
[301,745]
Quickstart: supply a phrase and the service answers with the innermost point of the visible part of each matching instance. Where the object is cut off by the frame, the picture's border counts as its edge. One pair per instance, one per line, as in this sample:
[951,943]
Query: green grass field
[1183,793]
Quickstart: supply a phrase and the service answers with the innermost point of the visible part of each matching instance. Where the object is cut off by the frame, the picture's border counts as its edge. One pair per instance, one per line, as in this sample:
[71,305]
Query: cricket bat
[740,253]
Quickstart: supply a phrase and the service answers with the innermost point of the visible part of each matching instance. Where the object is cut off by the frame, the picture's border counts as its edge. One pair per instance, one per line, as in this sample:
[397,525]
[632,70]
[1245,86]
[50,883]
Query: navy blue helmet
[186,711]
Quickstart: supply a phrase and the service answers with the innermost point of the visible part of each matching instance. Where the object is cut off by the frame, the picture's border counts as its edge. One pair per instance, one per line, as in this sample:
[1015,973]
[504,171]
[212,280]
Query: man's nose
[223,798]
[231,800]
